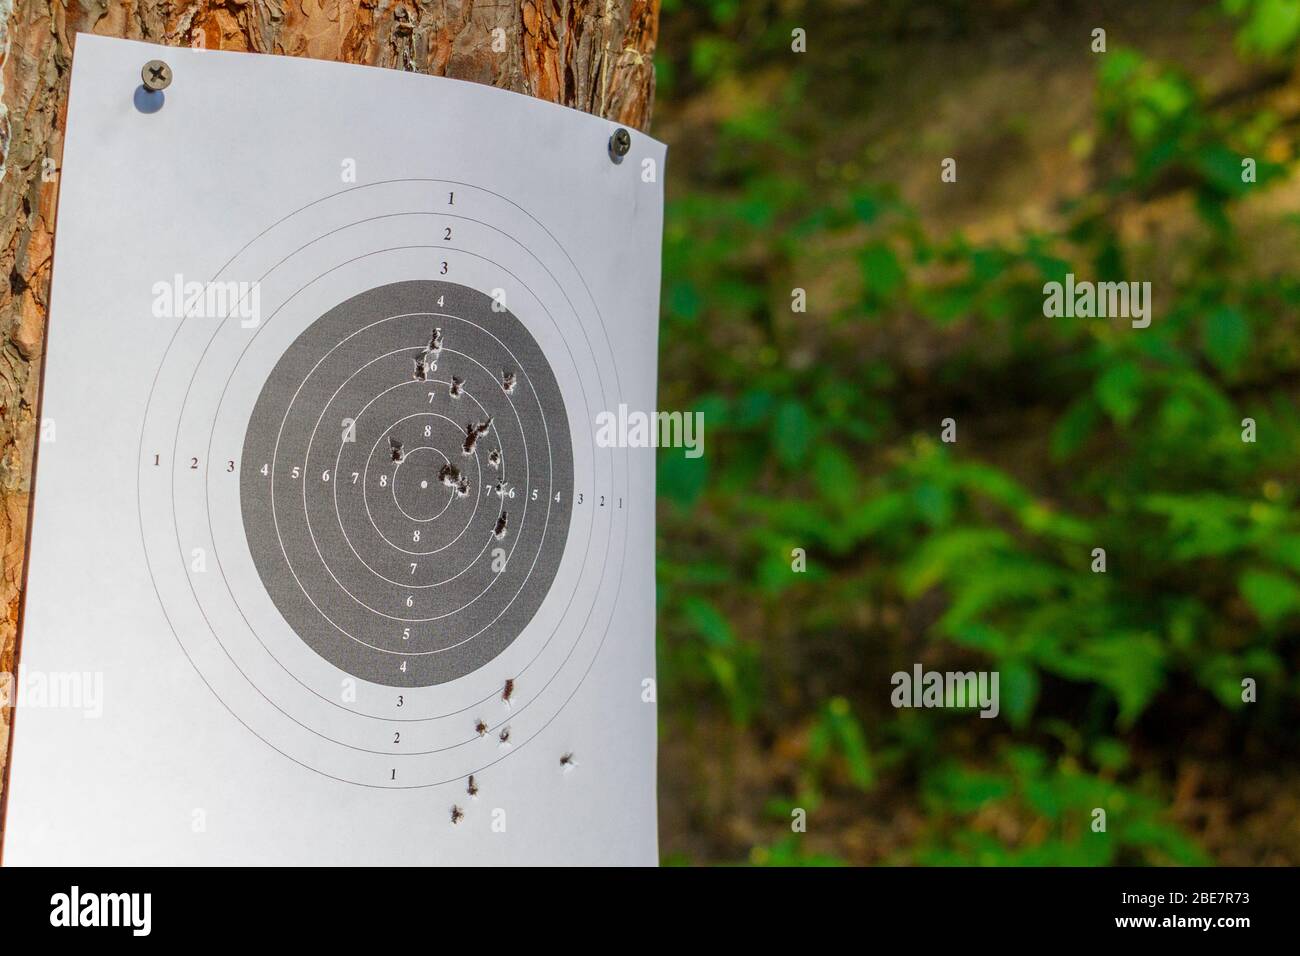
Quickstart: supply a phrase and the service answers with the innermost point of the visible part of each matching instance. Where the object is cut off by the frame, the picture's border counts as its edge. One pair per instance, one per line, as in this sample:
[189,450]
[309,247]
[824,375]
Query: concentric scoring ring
[319,505]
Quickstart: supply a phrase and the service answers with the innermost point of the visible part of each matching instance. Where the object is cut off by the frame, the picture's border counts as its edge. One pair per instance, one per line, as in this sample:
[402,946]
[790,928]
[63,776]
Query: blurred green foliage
[1073,434]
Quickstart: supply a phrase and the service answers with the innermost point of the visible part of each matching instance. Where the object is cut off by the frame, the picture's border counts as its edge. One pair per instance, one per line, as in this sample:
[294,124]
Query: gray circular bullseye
[406,482]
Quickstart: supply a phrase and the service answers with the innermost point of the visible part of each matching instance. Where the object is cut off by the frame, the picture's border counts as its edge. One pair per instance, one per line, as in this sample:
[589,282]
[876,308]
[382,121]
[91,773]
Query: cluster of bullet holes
[426,360]
[567,760]
[472,433]
[450,476]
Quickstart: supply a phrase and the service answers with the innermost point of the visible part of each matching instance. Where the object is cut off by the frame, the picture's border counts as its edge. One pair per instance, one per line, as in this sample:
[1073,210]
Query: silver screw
[620,144]
[156,75]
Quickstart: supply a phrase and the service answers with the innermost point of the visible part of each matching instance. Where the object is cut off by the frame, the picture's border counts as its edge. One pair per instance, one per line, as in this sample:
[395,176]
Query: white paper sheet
[273,609]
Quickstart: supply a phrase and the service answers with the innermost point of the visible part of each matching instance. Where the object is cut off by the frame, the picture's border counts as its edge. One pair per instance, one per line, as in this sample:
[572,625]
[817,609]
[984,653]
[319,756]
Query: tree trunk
[595,55]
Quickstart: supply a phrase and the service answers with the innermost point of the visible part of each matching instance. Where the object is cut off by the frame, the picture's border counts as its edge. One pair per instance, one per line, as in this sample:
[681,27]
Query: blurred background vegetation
[1120,690]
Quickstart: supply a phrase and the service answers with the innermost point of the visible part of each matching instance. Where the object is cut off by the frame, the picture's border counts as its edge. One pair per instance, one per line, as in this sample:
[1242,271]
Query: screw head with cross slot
[619,144]
[156,76]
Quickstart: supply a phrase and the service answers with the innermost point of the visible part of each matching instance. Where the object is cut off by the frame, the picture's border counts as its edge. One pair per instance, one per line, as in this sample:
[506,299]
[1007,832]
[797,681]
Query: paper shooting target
[371,502]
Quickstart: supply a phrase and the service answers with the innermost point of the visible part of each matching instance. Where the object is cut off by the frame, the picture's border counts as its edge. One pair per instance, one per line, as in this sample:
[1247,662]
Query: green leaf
[1221,168]
[881,270]
[866,207]
[966,791]
[933,503]
[1225,338]
[1128,663]
[1119,391]
[681,479]
[684,301]
[1074,427]
[792,432]
[1018,691]
[709,622]
[1271,595]
[942,553]
[836,477]
[851,742]
[1273,26]
[1110,754]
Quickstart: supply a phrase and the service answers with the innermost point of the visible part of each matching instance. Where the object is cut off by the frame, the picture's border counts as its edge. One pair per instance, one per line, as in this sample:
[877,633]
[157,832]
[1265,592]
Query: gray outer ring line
[221,644]
[144,541]
[239,607]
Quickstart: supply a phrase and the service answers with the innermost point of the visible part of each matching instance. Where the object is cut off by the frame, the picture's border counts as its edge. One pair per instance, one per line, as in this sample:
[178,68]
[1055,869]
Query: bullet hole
[472,788]
[449,475]
[396,447]
[456,383]
[472,433]
[507,382]
[508,691]
[500,530]
[567,762]
[500,489]
[494,458]
[480,728]
[457,814]
[427,357]
[462,488]
[504,736]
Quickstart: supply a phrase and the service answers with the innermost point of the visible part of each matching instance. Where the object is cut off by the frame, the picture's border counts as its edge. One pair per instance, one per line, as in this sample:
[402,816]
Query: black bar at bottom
[337,906]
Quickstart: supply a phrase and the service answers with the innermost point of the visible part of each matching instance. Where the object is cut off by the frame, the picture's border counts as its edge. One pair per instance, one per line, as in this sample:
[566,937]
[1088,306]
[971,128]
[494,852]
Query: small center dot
[424,484]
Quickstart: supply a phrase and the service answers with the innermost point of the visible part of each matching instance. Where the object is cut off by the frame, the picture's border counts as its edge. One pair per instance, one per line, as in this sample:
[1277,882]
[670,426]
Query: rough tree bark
[595,55]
